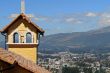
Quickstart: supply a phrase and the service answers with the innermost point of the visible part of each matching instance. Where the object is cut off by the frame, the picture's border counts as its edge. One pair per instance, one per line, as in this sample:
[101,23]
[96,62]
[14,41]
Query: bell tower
[23,37]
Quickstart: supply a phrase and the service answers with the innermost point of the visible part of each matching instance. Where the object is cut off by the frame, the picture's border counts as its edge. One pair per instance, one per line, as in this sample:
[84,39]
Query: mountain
[95,41]
[78,42]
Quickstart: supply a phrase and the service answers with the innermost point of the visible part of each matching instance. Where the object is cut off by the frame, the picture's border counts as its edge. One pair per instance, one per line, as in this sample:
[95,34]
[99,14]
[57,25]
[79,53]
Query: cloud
[80,18]
[91,14]
[72,20]
[42,18]
[39,19]
[104,19]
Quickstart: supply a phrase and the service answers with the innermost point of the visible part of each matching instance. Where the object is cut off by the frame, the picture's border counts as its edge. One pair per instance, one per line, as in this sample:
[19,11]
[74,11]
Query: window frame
[30,38]
[14,37]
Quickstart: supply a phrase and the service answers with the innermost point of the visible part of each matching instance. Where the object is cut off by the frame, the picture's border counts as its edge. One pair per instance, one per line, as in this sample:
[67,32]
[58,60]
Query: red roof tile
[10,57]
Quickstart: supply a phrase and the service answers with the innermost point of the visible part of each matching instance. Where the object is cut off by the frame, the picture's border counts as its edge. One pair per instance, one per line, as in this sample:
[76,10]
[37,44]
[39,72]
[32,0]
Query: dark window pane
[28,38]
[16,38]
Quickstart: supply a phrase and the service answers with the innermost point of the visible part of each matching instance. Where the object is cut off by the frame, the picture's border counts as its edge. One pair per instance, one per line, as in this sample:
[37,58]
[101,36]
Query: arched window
[28,37]
[15,37]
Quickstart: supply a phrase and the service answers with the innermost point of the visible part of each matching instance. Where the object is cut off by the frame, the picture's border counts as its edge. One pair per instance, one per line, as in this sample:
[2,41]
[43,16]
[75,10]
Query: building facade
[22,37]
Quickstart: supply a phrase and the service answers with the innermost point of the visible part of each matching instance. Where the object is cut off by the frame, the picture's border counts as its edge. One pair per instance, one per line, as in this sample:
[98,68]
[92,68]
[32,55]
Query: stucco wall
[28,53]
[22,27]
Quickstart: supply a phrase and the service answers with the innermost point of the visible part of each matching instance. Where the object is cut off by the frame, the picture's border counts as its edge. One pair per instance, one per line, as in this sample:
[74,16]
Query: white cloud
[105,19]
[91,14]
[41,18]
[72,20]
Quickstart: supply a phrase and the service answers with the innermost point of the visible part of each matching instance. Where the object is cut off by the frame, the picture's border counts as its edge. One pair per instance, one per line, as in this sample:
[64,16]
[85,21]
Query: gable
[19,19]
[22,26]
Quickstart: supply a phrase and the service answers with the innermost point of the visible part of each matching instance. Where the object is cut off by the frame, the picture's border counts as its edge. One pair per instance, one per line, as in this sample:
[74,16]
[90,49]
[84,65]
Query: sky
[60,16]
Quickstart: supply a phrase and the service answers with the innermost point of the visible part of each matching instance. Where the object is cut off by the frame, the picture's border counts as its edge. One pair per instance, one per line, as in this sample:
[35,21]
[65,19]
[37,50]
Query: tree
[87,70]
[70,70]
[100,71]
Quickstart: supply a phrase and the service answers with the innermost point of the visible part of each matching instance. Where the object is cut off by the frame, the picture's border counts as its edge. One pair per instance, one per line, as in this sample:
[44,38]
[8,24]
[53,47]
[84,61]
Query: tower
[22,37]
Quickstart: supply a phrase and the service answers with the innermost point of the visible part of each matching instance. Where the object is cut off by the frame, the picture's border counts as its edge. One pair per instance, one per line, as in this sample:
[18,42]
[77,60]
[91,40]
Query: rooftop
[10,58]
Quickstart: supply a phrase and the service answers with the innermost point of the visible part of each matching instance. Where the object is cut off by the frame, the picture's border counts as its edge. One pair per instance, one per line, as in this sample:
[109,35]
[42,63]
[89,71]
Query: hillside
[91,41]
[78,42]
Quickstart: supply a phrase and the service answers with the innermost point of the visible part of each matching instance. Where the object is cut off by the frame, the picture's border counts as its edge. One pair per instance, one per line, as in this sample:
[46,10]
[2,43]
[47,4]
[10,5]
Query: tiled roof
[10,57]
[23,16]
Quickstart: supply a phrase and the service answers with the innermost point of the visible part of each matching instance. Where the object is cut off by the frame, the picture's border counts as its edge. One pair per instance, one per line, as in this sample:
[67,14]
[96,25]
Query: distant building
[108,70]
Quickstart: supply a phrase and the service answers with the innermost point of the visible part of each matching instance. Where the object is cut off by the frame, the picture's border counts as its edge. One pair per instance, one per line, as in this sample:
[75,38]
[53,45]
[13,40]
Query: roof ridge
[27,19]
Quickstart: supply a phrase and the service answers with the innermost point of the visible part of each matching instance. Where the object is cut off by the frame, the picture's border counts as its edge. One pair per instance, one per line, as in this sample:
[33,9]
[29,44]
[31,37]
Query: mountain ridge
[94,40]
[76,42]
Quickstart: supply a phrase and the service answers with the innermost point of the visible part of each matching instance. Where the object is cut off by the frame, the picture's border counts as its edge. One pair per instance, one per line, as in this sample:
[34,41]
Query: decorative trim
[22,43]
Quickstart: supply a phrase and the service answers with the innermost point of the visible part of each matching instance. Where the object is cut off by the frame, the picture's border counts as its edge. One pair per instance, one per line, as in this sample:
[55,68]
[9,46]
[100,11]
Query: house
[13,63]
[22,37]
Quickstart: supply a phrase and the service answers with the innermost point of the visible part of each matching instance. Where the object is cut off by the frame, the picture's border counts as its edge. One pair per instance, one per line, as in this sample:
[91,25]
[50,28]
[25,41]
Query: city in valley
[67,62]
[60,36]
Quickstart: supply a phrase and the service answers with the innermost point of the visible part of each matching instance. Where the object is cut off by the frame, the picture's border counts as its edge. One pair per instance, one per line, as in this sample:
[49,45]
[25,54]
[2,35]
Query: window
[16,38]
[28,37]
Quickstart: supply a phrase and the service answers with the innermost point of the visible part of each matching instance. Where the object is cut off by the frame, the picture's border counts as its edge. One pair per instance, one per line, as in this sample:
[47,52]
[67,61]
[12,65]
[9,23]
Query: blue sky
[60,16]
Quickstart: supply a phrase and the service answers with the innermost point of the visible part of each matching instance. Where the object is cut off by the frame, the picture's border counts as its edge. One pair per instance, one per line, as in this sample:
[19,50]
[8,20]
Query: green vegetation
[78,70]
[70,70]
